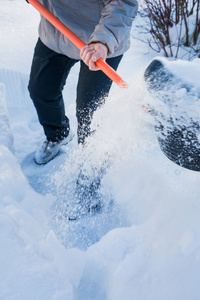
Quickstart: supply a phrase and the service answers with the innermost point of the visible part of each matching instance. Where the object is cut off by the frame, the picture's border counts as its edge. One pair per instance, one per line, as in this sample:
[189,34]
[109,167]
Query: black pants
[48,76]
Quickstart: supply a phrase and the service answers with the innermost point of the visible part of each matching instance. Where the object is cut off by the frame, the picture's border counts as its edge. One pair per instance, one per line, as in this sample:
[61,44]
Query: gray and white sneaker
[48,150]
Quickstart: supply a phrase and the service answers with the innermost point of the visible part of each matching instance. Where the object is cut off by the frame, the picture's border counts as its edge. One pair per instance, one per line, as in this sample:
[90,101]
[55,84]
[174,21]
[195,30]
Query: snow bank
[33,263]
[6,136]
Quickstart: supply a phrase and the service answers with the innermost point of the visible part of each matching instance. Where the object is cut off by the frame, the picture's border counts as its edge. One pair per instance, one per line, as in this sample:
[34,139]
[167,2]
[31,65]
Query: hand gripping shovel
[77,42]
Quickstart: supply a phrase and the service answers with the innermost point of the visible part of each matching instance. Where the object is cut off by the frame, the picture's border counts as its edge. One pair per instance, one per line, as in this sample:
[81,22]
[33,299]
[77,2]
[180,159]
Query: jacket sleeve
[116,20]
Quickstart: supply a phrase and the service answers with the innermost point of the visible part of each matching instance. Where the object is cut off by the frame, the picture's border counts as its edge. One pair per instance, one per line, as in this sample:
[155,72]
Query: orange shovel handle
[110,72]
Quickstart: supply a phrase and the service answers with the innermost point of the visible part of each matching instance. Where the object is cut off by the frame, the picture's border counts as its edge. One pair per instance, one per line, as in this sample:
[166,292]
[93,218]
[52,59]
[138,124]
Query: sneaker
[48,150]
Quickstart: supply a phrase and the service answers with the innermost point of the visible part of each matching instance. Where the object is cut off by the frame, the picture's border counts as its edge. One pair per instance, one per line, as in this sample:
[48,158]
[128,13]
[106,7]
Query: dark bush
[168,25]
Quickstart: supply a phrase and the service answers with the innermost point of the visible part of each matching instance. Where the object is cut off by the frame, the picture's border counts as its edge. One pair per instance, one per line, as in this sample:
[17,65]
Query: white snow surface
[145,244]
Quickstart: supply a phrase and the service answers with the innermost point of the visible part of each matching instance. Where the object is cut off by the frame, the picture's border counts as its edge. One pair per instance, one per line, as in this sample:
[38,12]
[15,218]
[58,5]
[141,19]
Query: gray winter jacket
[105,21]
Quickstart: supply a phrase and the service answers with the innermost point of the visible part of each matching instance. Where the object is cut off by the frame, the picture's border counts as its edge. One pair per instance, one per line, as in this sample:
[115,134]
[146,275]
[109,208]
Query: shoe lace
[46,146]
[49,144]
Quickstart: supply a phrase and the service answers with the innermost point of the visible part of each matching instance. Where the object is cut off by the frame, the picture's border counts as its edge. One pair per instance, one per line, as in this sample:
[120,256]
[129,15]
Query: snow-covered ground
[145,243]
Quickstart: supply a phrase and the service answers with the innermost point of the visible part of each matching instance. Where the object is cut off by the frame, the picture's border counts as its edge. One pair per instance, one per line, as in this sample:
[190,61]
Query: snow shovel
[178,135]
[110,72]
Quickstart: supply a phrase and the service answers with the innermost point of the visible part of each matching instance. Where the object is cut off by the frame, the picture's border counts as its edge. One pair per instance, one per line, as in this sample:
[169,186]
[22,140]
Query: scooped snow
[188,71]
[147,245]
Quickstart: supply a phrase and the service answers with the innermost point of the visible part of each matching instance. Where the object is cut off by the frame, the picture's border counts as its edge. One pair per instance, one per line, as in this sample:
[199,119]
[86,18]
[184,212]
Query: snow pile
[187,71]
[5,134]
[144,246]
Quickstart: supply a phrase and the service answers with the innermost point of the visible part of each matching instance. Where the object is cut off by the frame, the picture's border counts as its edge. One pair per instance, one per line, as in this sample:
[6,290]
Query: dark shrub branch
[171,24]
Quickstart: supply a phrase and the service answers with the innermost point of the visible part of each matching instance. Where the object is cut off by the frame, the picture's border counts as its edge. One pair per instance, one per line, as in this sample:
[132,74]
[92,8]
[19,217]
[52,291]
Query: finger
[82,51]
[86,47]
[100,53]
[92,66]
[85,50]
[88,56]
[96,55]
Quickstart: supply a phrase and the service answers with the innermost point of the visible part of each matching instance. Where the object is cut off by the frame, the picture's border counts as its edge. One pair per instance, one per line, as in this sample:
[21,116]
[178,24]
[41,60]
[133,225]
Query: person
[104,26]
